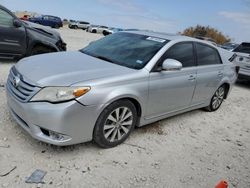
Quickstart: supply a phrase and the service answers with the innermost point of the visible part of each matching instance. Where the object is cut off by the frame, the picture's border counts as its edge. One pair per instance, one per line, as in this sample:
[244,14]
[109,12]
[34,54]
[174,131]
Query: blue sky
[232,17]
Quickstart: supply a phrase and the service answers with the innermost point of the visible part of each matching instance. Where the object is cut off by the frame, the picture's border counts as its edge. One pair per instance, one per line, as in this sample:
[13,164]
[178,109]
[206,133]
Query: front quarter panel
[104,92]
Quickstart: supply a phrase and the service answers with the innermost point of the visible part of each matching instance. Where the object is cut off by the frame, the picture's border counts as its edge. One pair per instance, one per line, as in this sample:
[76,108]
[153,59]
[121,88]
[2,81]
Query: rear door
[173,90]
[12,39]
[209,72]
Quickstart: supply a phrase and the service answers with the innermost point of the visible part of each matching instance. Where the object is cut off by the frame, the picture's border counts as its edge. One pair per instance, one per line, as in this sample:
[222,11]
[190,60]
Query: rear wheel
[56,26]
[105,33]
[115,124]
[94,31]
[217,99]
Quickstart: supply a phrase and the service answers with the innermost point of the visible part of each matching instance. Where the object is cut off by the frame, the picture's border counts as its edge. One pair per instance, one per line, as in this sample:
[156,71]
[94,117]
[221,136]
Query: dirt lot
[196,149]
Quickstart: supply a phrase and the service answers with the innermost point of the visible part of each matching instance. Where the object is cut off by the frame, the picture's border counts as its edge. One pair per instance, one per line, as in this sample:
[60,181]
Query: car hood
[41,28]
[66,68]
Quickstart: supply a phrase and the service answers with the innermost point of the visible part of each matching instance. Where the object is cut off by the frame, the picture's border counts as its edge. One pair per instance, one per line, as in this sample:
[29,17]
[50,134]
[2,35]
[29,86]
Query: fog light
[58,136]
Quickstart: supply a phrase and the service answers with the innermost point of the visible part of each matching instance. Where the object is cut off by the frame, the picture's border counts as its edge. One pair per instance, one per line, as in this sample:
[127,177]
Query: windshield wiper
[105,59]
[99,57]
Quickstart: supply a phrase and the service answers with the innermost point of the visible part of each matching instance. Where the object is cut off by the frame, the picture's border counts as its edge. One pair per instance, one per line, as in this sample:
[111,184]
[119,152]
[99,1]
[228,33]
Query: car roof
[168,36]
[51,16]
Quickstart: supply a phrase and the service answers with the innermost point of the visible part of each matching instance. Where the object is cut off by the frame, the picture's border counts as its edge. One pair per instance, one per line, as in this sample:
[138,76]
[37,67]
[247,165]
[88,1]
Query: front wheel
[217,99]
[56,26]
[115,124]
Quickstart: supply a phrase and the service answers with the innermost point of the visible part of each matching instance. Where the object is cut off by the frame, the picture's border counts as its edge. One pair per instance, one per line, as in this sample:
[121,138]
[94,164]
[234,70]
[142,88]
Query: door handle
[220,73]
[191,77]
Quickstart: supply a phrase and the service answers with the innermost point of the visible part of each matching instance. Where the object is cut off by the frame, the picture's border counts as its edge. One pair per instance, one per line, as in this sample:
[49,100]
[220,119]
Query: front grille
[20,89]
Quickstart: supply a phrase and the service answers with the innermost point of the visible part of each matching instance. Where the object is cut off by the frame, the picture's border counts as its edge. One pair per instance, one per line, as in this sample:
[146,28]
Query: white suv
[243,60]
[78,25]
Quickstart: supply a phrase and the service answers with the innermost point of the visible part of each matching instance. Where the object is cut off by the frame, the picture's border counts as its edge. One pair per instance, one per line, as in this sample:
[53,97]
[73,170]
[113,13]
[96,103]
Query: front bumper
[71,119]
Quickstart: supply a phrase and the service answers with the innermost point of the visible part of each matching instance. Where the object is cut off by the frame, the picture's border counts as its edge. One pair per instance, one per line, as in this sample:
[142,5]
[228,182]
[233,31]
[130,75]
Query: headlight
[59,94]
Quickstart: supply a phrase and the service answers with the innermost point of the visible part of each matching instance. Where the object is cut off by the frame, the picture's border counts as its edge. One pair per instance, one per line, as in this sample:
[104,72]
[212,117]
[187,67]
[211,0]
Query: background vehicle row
[20,38]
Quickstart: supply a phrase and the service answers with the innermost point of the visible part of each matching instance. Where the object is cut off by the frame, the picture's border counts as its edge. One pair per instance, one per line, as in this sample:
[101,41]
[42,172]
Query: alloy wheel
[218,98]
[118,124]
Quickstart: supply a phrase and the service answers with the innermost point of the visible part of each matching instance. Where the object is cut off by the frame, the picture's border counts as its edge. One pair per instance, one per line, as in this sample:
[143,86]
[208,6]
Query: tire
[111,130]
[40,50]
[56,26]
[217,99]
[105,33]
[94,31]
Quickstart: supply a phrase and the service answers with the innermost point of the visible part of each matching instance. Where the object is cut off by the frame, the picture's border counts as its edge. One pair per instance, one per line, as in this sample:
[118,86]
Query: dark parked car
[47,20]
[20,38]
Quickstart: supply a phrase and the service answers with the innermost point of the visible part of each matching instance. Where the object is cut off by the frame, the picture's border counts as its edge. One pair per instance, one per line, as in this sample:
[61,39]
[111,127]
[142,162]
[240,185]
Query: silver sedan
[123,81]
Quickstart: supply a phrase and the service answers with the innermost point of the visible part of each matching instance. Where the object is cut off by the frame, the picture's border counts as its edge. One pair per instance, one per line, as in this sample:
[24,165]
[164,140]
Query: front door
[173,90]
[12,39]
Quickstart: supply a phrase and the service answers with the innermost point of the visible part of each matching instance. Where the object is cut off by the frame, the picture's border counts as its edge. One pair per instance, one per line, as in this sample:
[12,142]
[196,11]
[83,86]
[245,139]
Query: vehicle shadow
[243,84]
[7,61]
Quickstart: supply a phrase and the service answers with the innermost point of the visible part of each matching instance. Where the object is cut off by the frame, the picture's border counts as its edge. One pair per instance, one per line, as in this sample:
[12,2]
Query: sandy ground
[195,149]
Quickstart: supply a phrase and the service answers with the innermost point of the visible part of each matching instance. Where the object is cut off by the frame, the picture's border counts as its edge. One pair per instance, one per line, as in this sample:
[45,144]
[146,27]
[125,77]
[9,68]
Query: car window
[182,52]
[84,23]
[46,18]
[243,48]
[5,18]
[207,55]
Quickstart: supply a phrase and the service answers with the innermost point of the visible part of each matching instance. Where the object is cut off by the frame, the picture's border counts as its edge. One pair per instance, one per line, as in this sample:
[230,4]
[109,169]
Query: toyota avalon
[122,81]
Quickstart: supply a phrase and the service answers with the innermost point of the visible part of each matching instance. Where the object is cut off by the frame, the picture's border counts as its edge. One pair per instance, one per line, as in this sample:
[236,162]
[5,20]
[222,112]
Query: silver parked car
[96,29]
[111,30]
[78,24]
[121,81]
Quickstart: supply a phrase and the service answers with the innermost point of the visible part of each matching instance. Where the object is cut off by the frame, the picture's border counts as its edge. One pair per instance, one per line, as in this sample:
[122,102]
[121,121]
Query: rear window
[243,48]
[84,22]
[207,55]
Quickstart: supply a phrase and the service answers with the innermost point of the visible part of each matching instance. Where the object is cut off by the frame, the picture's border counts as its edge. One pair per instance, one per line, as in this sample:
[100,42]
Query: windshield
[243,48]
[126,49]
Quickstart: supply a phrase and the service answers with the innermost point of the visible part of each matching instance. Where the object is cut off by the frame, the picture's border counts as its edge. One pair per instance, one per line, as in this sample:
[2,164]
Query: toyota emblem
[16,81]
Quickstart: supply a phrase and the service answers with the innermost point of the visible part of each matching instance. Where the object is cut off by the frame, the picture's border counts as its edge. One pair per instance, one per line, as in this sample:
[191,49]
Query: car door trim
[174,111]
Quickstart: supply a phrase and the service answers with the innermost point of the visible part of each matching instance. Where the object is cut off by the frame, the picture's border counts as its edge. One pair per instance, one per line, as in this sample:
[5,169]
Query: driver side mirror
[171,65]
[17,23]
